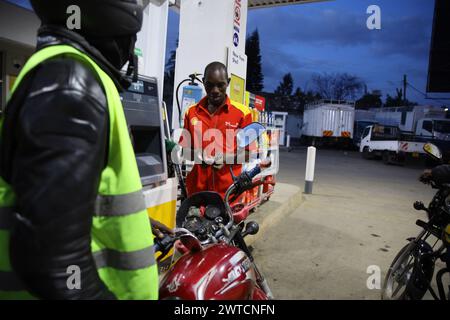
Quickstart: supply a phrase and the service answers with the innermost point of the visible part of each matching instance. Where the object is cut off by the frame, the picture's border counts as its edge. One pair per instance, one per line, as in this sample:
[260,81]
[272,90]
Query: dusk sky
[333,37]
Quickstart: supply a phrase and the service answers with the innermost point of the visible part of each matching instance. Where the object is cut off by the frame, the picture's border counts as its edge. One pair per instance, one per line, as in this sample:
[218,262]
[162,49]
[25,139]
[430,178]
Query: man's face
[216,83]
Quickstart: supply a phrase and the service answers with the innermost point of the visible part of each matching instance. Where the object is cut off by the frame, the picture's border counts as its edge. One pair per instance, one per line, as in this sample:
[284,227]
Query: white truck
[328,121]
[426,121]
[389,143]
[437,128]
[363,118]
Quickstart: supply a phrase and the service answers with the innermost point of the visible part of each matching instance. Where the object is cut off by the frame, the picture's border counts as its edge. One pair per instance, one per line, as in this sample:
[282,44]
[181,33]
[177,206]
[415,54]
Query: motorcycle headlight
[447,203]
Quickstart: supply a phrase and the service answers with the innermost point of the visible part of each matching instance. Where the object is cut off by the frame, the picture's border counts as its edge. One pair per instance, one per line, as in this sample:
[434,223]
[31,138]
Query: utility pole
[404,88]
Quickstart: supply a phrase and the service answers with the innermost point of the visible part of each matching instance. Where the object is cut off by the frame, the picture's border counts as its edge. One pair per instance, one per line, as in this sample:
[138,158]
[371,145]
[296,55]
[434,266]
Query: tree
[284,98]
[338,86]
[398,101]
[283,94]
[369,100]
[298,100]
[255,77]
[286,86]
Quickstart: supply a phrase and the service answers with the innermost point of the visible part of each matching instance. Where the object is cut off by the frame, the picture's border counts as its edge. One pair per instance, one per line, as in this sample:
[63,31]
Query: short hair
[216,65]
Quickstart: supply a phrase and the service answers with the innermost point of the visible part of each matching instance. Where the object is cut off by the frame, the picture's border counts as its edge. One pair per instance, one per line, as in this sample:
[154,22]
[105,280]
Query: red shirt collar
[203,104]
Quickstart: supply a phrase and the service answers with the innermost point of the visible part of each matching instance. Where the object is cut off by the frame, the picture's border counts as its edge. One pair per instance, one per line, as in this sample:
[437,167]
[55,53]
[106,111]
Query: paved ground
[359,215]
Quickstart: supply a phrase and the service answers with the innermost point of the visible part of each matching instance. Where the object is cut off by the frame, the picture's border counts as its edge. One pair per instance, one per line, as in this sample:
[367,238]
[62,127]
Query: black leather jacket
[53,150]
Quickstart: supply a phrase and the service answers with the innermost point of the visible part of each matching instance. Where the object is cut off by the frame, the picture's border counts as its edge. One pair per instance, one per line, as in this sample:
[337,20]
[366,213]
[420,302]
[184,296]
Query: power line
[424,94]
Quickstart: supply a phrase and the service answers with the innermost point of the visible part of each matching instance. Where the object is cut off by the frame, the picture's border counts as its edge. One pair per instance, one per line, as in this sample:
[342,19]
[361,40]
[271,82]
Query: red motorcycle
[211,260]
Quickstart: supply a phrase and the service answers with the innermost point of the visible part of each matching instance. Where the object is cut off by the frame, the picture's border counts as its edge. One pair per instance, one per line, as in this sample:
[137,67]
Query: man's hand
[219,161]
[159,229]
[426,176]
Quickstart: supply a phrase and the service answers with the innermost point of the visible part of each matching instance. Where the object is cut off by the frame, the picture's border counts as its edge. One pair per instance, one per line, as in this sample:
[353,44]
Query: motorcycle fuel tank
[218,272]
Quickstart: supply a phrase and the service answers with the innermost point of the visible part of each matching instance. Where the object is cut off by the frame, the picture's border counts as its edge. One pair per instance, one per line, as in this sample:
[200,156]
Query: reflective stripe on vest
[120,205]
[125,260]
[122,240]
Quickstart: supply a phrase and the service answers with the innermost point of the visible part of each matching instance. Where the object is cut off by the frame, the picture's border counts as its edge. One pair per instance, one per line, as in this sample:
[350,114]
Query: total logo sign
[237,22]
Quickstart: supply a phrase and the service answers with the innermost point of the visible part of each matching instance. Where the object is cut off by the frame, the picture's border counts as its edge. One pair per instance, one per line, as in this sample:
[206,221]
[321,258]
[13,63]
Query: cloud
[278,64]
[408,36]
[328,40]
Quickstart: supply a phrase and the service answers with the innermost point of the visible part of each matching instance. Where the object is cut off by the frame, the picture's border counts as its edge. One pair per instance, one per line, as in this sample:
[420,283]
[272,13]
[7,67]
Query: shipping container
[329,119]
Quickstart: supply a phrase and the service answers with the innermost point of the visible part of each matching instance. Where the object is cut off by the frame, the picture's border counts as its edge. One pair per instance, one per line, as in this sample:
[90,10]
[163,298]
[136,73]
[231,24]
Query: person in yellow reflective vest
[73,220]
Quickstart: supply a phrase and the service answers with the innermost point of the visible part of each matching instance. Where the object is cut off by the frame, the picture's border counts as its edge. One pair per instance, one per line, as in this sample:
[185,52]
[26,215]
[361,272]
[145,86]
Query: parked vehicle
[439,129]
[211,259]
[426,121]
[411,273]
[358,130]
[389,143]
[328,121]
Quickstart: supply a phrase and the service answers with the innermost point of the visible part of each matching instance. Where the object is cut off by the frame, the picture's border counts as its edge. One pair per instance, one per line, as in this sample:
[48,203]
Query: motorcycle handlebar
[165,243]
[435,185]
[156,247]
[429,181]
[248,175]
[254,172]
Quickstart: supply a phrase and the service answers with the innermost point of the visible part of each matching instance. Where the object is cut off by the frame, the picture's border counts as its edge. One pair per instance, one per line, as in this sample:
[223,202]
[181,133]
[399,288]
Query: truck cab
[389,143]
[375,136]
[359,127]
[436,128]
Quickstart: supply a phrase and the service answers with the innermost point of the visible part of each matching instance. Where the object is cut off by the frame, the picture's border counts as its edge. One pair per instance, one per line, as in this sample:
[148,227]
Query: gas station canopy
[255,4]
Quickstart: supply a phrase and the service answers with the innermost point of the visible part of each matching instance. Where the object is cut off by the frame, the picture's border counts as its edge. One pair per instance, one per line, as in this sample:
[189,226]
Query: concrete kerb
[286,199]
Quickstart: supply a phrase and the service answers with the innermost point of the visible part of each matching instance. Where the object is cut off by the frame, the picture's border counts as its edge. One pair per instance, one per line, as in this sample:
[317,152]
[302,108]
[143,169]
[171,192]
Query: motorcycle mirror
[251,228]
[418,205]
[433,151]
[249,133]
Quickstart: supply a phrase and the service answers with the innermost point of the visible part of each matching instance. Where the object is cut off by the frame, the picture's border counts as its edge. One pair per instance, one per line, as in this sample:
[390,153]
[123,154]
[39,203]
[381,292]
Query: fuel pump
[192,94]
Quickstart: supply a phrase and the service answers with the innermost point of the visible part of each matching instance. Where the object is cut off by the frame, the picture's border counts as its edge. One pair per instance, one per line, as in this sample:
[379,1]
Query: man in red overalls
[212,124]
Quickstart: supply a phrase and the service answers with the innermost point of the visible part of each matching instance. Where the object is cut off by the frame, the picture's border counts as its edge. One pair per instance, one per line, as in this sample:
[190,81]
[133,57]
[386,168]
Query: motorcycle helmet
[109,25]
